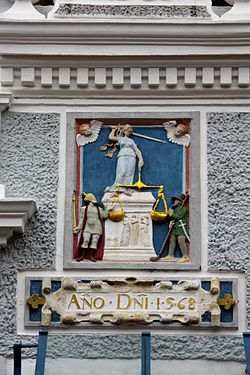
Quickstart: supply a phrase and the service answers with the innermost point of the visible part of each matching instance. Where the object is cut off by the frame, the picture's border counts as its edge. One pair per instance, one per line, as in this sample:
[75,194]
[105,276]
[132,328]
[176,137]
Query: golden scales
[155,215]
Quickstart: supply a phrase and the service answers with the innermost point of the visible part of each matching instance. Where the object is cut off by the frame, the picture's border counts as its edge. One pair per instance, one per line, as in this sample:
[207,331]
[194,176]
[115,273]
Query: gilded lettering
[99,302]
[138,302]
[88,302]
[146,303]
[170,302]
[123,301]
[180,304]
[158,303]
[191,303]
[75,301]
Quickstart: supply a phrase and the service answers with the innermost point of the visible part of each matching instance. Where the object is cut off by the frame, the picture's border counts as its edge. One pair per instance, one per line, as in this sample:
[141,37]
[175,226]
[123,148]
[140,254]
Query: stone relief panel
[129,180]
[114,302]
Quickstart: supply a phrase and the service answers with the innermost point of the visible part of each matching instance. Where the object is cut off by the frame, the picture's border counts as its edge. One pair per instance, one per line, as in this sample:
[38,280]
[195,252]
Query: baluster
[22,10]
[239,11]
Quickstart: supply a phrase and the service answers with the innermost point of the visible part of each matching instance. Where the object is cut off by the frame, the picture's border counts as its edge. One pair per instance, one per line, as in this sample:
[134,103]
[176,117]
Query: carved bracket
[14,214]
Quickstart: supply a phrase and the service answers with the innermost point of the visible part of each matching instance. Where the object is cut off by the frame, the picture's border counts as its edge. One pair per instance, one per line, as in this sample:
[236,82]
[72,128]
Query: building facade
[74,75]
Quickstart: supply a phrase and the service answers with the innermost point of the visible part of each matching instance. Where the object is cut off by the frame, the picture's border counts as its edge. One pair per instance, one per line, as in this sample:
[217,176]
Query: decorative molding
[94,79]
[5,102]
[28,77]
[148,11]
[14,214]
[198,37]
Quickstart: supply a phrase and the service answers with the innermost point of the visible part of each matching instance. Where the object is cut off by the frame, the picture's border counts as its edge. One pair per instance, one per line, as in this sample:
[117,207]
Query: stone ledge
[5,101]
[14,214]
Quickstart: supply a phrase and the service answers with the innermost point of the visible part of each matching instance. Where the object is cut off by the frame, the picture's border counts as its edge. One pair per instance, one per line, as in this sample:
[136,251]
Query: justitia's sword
[144,136]
[147,137]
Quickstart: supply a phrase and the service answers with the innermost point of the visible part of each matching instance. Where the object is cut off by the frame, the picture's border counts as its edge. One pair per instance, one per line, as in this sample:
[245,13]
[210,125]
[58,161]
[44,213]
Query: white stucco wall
[132,367]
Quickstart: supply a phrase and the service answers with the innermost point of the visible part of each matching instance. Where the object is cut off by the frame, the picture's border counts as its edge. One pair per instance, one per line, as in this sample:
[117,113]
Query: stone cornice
[162,58]
[14,214]
[162,79]
[177,32]
[5,100]
[167,81]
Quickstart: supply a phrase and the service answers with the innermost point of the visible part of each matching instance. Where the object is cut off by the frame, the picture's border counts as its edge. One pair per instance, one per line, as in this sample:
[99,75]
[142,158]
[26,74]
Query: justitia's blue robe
[126,161]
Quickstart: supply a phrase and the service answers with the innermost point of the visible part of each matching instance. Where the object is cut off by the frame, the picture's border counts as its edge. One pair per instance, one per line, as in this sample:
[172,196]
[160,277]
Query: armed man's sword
[184,229]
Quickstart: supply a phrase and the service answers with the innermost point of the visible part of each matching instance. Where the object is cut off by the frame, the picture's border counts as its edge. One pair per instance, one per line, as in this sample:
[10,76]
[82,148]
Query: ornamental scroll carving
[132,301]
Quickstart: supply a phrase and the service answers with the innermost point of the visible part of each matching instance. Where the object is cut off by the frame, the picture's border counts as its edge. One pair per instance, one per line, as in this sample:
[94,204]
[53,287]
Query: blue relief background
[226,287]
[163,165]
[35,315]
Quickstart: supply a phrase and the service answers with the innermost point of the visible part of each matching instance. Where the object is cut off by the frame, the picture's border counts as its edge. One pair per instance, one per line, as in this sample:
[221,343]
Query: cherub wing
[170,129]
[82,140]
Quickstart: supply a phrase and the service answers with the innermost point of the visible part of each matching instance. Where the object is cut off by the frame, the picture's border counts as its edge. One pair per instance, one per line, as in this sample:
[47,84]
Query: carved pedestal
[132,238]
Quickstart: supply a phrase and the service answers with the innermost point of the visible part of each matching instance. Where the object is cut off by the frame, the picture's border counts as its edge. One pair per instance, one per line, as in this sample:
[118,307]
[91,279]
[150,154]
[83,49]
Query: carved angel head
[85,129]
[177,132]
[180,130]
[88,132]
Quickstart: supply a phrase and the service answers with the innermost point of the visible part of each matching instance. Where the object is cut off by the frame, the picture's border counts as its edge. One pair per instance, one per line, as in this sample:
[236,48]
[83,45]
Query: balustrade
[239,11]
[22,9]
[29,9]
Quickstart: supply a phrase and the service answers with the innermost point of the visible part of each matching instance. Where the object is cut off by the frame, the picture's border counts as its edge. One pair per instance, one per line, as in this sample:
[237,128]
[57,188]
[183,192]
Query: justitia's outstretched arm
[113,135]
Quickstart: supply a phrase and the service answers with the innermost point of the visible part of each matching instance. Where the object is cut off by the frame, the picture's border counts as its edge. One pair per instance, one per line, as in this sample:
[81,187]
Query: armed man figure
[91,242]
[179,229]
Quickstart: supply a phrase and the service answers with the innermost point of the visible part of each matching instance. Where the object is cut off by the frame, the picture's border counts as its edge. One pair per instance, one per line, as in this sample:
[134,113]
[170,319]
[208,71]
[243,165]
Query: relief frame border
[195,190]
[167,328]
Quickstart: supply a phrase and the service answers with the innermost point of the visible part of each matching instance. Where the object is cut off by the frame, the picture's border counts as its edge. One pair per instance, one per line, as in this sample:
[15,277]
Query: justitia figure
[179,229]
[126,158]
[91,242]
